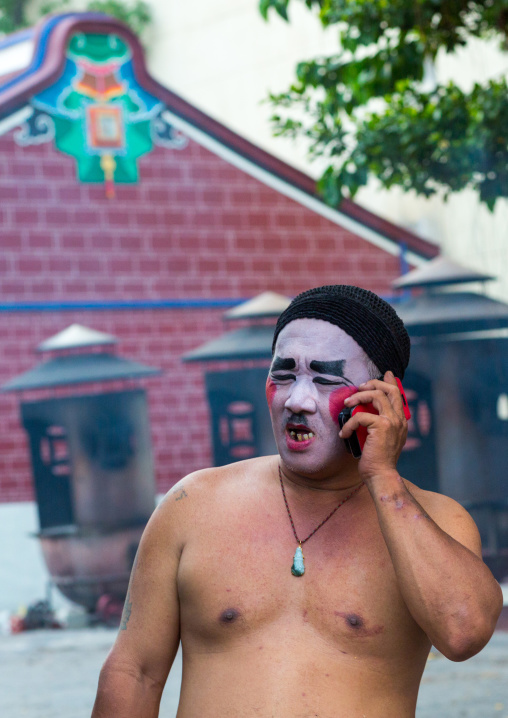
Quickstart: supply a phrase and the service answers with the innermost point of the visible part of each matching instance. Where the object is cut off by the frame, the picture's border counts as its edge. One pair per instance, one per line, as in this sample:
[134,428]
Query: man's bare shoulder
[449,515]
[202,485]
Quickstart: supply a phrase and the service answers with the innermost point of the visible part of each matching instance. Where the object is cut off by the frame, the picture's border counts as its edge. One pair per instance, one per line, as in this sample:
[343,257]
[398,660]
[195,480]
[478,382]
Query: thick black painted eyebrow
[335,368]
[279,364]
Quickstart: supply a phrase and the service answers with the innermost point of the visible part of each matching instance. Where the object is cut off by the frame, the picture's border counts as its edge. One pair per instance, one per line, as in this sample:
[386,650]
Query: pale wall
[224,58]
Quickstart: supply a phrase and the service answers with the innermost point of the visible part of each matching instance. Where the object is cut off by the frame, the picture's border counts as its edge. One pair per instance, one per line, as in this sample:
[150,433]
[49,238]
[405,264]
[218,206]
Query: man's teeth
[301,437]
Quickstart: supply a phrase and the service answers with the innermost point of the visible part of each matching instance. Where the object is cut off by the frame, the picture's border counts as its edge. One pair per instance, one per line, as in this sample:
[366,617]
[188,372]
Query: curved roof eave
[51,37]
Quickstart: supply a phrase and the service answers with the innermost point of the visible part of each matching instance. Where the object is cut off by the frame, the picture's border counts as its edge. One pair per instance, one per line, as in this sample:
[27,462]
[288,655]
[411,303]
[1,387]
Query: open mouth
[300,435]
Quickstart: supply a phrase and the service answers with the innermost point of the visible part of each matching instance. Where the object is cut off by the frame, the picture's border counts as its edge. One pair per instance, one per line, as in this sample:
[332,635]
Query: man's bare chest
[235,584]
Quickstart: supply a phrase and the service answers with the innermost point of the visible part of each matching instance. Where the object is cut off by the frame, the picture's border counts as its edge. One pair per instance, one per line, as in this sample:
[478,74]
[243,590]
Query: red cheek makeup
[337,399]
[271,388]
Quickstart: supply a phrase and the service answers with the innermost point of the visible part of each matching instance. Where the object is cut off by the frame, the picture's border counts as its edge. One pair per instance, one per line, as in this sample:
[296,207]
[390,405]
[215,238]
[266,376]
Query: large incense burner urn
[91,461]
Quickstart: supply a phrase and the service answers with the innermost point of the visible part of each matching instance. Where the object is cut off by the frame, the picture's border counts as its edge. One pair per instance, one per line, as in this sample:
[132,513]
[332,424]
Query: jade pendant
[298,567]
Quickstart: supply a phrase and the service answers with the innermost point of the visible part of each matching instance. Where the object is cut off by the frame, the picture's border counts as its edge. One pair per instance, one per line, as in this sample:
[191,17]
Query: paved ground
[53,674]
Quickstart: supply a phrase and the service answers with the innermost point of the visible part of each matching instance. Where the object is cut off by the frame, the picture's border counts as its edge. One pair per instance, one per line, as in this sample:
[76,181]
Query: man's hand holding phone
[374,424]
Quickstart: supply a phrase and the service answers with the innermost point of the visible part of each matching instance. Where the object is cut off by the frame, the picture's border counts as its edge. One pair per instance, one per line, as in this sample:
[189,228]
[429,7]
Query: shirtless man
[390,572]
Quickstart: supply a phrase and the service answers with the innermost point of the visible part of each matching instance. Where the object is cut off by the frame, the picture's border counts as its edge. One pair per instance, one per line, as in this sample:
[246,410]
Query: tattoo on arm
[182,494]
[126,612]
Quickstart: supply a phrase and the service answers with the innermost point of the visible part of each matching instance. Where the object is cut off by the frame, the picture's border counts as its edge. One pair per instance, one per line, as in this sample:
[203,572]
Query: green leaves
[448,140]
[280,7]
[365,110]
[136,14]
[12,15]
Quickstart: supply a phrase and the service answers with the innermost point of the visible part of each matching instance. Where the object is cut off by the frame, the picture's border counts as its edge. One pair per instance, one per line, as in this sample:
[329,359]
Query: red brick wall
[193,227]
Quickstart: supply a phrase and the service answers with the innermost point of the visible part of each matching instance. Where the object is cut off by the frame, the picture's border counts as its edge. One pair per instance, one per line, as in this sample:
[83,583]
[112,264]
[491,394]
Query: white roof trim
[16,56]
[16,119]
[288,189]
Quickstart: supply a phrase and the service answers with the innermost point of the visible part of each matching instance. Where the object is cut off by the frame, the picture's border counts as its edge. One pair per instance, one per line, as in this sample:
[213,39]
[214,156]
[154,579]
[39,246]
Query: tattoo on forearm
[126,612]
[402,501]
[181,495]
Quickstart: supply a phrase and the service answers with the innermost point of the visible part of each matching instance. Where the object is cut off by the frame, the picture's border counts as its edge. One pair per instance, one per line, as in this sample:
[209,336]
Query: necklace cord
[301,542]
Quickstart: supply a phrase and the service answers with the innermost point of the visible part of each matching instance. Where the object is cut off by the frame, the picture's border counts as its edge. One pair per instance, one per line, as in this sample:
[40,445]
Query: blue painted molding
[130,304]
[225,303]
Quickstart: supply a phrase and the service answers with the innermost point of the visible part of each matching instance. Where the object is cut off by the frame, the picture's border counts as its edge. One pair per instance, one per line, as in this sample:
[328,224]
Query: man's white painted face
[316,365]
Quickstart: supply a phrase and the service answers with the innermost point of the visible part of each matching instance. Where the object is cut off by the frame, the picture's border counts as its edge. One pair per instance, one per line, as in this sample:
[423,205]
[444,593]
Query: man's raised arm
[135,672]
[433,542]
[436,553]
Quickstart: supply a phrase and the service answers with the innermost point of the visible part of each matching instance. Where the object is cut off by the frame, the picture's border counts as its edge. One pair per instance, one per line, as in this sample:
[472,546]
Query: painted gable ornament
[99,114]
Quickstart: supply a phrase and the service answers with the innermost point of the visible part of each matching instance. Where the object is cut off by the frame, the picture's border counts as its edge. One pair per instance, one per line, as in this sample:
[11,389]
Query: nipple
[354,621]
[229,615]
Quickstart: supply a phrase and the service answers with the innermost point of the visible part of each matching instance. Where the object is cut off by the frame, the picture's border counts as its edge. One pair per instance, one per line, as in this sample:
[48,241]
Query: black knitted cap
[367,318]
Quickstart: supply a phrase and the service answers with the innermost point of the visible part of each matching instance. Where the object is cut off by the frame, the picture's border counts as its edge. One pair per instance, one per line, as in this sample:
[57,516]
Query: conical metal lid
[267,304]
[246,343]
[439,272]
[75,337]
[451,312]
[79,369]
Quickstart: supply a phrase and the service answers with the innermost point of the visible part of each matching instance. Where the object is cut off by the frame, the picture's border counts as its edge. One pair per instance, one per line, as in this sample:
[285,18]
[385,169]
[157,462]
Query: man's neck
[336,480]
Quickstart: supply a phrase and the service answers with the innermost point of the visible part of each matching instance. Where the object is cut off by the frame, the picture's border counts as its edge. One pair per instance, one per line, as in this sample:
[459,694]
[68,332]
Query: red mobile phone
[357,440]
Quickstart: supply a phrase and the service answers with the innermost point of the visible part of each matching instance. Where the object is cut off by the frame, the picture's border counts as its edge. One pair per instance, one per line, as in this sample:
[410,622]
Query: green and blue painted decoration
[99,114]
